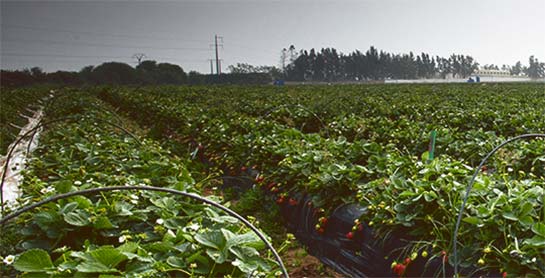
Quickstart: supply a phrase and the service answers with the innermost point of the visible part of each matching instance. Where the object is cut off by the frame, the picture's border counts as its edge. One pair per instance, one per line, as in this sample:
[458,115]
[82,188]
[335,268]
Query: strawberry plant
[138,233]
[370,152]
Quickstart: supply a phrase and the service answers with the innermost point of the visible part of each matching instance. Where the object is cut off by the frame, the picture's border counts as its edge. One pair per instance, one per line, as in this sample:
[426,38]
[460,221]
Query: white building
[492,73]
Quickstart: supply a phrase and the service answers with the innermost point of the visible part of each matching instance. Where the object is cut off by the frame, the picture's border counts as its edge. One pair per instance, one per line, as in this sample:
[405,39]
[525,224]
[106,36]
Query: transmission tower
[216,45]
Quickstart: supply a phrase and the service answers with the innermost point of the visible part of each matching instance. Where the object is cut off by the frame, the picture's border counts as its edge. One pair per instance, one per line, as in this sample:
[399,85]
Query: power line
[105,45]
[59,55]
[254,49]
[52,55]
[17,26]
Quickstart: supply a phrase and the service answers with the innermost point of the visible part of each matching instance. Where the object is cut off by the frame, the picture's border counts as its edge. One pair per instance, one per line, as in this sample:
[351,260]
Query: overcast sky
[69,35]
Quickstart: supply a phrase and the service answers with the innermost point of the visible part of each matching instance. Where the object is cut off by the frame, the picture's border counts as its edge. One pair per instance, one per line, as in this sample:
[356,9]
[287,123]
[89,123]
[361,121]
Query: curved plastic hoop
[152,188]
[40,125]
[468,189]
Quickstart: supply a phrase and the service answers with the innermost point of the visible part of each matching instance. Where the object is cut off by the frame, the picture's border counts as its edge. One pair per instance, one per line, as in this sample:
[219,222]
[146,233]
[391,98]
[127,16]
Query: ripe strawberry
[360,227]
[293,202]
[399,269]
[271,185]
[321,230]
[243,168]
[259,179]
[200,146]
[280,200]
[504,274]
[323,220]
[445,256]
[407,261]
[350,235]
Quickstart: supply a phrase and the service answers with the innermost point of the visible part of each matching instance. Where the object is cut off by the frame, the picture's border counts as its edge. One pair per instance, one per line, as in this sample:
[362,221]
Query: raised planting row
[16,105]
[465,115]
[404,194]
[130,233]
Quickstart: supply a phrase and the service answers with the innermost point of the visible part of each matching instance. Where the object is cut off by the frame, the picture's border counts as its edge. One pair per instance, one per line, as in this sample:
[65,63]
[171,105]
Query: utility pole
[211,66]
[218,65]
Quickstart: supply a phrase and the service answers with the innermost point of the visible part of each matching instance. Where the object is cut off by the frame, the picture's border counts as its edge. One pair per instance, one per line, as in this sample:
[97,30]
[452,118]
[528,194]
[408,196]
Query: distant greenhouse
[493,73]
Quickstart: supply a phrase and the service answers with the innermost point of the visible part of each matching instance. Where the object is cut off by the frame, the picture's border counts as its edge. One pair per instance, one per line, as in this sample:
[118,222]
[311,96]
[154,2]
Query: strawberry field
[293,155]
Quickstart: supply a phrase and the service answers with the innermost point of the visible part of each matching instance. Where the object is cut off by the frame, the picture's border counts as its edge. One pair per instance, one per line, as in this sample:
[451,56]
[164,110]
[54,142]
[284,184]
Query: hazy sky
[72,34]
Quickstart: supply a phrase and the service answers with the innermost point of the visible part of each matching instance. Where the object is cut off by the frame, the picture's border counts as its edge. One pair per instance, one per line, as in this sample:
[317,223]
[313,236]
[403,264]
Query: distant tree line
[145,73]
[325,65]
[330,65]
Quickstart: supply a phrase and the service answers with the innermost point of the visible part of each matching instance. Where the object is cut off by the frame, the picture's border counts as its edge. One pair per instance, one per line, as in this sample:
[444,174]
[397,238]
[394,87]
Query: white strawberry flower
[9,259]
[194,226]
[46,190]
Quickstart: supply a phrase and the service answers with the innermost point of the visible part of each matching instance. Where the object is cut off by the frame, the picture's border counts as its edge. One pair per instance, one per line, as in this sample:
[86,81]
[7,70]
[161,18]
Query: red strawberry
[407,261]
[275,190]
[271,185]
[445,256]
[243,168]
[360,227]
[399,269]
[504,274]
[293,202]
[280,200]
[323,220]
[200,146]
[259,179]
[321,230]
[350,235]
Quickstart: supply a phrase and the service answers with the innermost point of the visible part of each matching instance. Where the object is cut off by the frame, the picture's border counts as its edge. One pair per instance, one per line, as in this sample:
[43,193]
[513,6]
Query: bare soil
[300,264]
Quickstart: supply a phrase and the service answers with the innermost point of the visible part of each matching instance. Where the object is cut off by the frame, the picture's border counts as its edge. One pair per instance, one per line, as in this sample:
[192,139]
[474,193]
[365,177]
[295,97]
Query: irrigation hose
[33,130]
[152,188]
[470,186]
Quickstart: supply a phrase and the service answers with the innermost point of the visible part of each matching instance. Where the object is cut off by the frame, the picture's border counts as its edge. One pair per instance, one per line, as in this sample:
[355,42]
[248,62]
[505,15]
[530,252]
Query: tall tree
[516,69]
[535,69]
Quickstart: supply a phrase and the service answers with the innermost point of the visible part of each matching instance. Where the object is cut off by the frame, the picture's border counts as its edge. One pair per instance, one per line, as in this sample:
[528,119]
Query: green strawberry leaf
[34,260]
